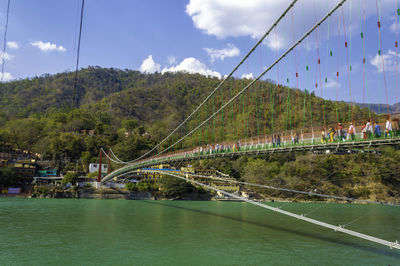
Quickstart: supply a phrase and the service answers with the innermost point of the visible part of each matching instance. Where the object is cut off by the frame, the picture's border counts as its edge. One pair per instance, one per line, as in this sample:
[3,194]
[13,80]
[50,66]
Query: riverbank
[92,194]
[112,193]
[115,194]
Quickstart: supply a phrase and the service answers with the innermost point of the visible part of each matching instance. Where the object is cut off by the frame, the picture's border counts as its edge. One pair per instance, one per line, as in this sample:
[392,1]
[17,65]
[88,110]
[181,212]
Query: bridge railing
[197,152]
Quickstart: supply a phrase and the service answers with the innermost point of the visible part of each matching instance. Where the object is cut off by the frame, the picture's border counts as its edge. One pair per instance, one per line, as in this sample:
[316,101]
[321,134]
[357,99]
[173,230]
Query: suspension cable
[339,228]
[4,43]
[259,76]
[248,85]
[298,191]
[221,83]
[77,56]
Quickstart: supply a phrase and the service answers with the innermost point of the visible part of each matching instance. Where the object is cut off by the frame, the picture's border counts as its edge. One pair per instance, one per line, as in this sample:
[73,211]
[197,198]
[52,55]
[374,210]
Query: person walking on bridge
[396,127]
[377,130]
[364,131]
[388,131]
[340,132]
[369,129]
[352,132]
[296,138]
[332,133]
[278,140]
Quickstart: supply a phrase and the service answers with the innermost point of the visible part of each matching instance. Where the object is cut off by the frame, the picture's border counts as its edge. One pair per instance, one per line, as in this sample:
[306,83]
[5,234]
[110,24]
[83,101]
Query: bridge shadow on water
[379,251]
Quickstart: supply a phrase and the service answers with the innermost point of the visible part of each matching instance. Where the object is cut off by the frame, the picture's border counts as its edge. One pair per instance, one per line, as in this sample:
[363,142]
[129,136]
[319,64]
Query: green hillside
[130,111]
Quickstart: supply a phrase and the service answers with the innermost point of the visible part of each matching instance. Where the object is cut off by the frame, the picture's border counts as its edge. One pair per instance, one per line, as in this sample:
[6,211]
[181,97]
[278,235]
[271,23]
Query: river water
[122,232]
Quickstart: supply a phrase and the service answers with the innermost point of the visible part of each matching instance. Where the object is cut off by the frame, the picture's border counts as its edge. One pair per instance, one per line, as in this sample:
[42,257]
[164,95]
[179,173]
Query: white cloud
[248,76]
[275,42]
[192,65]
[220,54]
[149,66]
[389,60]
[225,18]
[12,45]
[171,60]
[236,18]
[332,83]
[48,47]
[6,77]
[394,27]
[5,56]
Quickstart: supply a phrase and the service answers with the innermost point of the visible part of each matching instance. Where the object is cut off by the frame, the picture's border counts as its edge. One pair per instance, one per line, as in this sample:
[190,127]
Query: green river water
[123,232]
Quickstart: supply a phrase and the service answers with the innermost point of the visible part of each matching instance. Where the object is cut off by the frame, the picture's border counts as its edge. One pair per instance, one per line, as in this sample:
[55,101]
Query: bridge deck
[254,150]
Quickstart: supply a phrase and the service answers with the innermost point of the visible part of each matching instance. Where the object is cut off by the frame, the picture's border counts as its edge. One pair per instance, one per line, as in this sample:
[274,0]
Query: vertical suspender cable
[347,60]
[288,112]
[308,84]
[77,56]
[380,52]
[278,86]
[261,100]
[296,75]
[329,52]
[319,69]
[397,55]
[309,91]
[338,68]
[307,95]
[363,32]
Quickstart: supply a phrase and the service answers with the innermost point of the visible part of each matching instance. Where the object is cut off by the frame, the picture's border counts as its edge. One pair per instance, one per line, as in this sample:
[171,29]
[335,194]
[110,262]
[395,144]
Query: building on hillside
[93,167]
[25,170]
[188,169]
[48,180]
[163,166]
[47,173]
[19,155]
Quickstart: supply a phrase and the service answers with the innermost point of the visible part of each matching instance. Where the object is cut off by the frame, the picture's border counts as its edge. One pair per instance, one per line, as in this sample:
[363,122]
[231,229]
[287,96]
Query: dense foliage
[70,177]
[7,177]
[365,176]
[130,112]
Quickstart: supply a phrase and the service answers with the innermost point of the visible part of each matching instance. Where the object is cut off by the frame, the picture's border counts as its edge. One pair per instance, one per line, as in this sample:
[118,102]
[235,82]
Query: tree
[259,171]
[70,177]
[173,187]
[129,124]
[7,177]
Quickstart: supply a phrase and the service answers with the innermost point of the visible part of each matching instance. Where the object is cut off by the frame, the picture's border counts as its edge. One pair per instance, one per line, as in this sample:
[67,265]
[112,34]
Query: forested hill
[131,111]
[127,92]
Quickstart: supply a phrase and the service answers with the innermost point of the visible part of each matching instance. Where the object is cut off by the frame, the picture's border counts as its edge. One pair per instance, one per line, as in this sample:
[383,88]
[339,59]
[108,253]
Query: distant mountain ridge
[381,108]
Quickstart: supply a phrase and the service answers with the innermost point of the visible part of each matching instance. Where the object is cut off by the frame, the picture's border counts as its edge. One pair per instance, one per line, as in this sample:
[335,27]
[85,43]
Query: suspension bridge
[253,119]
[249,121]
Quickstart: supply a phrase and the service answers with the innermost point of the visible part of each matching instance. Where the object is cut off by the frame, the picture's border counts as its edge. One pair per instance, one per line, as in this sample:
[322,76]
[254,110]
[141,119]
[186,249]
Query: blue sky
[209,37]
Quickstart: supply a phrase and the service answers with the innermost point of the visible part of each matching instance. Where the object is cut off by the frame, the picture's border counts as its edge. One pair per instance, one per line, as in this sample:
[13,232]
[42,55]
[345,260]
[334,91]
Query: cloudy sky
[210,37]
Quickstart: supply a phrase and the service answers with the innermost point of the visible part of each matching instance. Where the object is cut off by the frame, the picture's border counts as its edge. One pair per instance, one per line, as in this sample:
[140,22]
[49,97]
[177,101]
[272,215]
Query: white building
[93,167]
